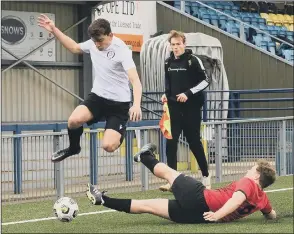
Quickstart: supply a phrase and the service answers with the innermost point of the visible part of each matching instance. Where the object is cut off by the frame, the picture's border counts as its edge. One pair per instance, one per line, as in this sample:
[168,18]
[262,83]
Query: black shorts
[116,114]
[190,203]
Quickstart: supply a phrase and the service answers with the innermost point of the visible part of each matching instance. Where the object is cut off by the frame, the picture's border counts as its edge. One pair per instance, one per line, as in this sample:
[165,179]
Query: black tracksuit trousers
[186,117]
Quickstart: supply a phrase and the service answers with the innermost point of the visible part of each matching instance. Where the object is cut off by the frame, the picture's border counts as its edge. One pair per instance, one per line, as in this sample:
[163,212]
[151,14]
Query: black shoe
[94,195]
[145,149]
[64,153]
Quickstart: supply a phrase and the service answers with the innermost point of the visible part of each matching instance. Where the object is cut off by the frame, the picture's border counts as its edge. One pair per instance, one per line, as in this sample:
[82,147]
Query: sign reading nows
[20,34]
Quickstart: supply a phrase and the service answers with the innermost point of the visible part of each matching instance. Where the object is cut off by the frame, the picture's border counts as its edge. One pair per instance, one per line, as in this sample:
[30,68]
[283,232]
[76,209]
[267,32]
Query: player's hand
[210,216]
[45,22]
[182,97]
[135,113]
[163,98]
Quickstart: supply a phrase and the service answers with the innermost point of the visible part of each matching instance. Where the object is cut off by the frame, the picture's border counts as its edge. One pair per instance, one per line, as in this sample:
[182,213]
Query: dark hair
[175,34]
[98,28]
[267,173]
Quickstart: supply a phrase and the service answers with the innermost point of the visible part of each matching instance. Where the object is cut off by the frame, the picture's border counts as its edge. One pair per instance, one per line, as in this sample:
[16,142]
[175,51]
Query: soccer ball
[65,209]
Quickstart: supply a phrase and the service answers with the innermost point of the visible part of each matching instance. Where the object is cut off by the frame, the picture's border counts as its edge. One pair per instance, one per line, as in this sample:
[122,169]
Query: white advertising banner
[20,34]
[131,21]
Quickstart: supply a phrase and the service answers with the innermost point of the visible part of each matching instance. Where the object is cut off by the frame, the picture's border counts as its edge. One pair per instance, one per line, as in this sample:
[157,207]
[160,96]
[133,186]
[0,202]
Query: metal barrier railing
[237,102]
[232,147]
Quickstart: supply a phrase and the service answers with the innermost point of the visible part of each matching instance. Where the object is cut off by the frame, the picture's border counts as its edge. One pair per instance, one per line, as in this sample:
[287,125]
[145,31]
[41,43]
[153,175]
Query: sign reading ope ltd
[129,20]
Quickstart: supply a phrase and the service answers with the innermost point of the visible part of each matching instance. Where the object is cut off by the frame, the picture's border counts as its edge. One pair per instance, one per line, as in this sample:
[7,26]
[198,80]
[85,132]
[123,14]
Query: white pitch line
[52,218]
[278,190]
[104,211]
[29,221]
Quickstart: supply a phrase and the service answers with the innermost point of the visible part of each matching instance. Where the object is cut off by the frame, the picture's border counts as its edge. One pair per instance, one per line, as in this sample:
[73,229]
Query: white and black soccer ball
[65,209]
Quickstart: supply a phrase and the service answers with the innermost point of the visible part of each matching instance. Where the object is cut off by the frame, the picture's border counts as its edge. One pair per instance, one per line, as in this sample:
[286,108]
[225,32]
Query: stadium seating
[262,15]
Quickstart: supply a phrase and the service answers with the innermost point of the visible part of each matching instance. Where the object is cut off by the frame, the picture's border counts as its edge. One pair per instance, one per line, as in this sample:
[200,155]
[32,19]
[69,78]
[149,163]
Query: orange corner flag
[164,123]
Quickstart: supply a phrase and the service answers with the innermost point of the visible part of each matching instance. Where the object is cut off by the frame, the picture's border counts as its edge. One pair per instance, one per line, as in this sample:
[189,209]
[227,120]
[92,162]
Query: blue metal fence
[232,146]
[56,128]
[236,102]
[234,112]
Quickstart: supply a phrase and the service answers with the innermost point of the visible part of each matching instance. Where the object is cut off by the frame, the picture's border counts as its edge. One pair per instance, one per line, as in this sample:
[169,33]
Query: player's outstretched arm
[271,215]
[230,206]
[45,22]
[135,111]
